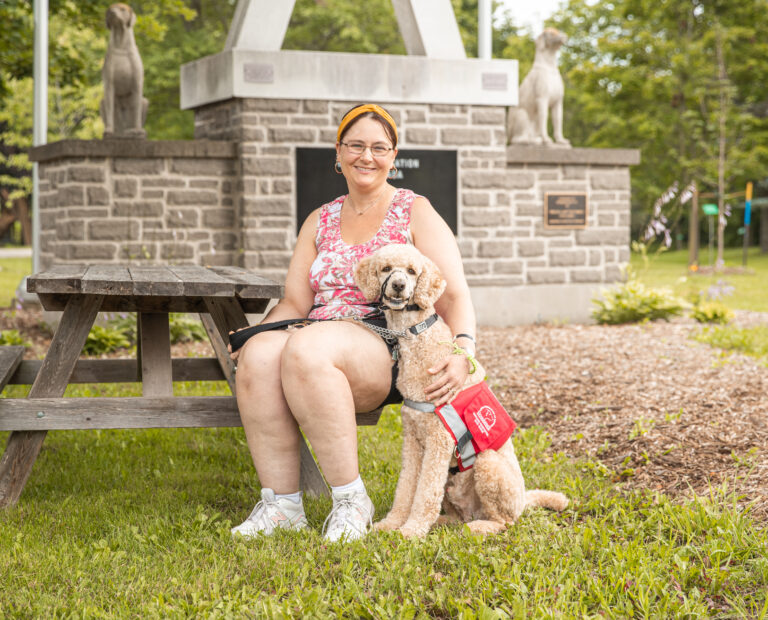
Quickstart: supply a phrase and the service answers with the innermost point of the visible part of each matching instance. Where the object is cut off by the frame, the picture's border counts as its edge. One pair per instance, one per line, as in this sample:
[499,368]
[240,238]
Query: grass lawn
[12,270]
[136,523]
[670,269]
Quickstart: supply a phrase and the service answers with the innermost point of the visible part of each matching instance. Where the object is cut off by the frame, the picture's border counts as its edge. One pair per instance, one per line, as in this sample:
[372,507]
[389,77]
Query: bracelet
[457,350]
[467,336]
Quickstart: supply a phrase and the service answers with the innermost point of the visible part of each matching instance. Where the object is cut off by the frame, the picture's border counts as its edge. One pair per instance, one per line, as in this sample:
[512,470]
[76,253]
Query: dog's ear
[429,286]
[365,278]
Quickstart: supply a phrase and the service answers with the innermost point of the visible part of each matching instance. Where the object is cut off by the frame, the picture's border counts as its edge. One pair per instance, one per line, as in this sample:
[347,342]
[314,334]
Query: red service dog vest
[476,421]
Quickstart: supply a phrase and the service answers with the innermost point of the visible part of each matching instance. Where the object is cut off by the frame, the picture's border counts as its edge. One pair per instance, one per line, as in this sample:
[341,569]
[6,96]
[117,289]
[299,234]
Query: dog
[541,92]
[490,495]
[123,108]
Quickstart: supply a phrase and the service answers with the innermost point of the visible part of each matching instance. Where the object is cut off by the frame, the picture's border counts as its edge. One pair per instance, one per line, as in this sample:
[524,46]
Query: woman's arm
[434,239]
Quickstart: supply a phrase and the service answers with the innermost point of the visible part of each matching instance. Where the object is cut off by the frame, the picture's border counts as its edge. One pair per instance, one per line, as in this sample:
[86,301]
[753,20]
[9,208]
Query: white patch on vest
[485,418]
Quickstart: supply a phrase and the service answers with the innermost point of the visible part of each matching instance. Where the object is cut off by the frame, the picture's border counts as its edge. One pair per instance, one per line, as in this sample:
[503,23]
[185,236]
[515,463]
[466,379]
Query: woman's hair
[372,111]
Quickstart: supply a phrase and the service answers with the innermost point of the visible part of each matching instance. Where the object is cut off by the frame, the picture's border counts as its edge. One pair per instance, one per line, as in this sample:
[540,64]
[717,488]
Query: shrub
[749,340]
[125,324]
[10,337]
[711,312]
[105,340]
[186,329]
[632,301]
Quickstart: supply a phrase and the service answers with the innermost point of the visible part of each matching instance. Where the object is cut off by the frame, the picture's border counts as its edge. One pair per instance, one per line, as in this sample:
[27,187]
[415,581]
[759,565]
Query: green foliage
[102,340]
[711,312]
[632,301]
[12,337]
[186,329]
[12,271]
[167,551]
[749,340]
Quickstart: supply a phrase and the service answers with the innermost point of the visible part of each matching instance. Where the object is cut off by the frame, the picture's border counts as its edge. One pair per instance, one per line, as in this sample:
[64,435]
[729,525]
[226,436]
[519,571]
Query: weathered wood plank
[200,281]
[44,414]
[127,303]
[10,358]
[311,480]
[106,280]
[23,447]
[57,279]
[249,284]
[155,354]
[123,371]
[226,365]
[369,418]
[155,280]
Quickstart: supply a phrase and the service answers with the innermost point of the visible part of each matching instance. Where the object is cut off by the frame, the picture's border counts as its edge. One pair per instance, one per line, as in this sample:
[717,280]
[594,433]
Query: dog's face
[551,39]
[120,16]
[400,275]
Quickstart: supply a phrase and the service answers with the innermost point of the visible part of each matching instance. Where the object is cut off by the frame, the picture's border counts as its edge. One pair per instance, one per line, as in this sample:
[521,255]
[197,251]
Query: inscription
[565,211]
[495,81]
[258,73]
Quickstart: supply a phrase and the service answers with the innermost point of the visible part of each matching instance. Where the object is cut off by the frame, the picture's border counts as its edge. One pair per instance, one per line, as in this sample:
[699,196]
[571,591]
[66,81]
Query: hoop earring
[337,167]
[392,174]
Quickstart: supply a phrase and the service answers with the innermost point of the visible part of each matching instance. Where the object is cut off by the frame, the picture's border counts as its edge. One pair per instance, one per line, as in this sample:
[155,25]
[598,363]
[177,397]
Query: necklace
[370,206]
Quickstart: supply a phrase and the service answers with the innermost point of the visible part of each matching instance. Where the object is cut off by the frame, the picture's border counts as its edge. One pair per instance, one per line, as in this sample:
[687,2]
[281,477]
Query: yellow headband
[362,109]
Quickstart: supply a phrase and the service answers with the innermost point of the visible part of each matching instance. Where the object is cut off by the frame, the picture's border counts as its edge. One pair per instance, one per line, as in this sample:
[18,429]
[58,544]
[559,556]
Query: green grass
[749,340]
[12,270]
[136,523]
[670,269]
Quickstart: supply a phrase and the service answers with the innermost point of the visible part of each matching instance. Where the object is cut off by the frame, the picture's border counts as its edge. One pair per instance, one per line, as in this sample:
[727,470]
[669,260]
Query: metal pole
[40,107]
[747,220]
[484,29]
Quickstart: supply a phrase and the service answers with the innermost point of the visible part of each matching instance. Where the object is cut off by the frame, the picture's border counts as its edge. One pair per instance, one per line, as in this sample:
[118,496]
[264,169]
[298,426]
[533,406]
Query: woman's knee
[259,361]
[304,355]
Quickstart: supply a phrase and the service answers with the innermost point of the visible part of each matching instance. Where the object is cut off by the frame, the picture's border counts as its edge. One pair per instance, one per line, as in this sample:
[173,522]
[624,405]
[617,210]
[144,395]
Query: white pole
[484,34]
[40,107]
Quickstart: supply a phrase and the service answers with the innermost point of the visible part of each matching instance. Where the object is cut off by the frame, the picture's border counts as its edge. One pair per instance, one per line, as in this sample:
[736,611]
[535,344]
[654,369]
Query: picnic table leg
[227,315]
[23,446]
[154,353]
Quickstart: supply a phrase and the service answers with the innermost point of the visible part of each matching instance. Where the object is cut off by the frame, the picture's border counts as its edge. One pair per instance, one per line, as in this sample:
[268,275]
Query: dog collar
[424,325]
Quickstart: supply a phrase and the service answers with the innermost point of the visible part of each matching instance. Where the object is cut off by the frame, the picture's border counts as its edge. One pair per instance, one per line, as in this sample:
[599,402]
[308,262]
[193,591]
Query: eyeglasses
[358,148]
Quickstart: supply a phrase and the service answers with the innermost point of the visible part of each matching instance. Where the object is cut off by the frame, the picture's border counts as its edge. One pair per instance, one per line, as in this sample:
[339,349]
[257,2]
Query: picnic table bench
[221,295]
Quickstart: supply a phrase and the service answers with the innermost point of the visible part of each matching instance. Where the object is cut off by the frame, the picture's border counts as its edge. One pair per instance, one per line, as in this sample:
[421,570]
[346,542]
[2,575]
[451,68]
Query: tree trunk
[21,207]
[722,79]
[764,230]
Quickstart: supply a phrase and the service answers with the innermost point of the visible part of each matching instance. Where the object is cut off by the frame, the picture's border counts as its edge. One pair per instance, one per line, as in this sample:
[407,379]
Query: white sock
[356,485]
[294,497]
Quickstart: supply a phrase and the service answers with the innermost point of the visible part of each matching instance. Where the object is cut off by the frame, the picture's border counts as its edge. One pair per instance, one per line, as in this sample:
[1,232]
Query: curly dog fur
[487,497]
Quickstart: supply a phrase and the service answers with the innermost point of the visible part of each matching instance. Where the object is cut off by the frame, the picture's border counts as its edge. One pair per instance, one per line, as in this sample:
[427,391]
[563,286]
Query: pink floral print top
[332,273]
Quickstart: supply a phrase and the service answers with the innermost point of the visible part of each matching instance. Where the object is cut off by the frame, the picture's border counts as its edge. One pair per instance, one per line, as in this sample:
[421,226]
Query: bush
[632,301]
[711,312]
[186,329]
[10,337]
[105,340]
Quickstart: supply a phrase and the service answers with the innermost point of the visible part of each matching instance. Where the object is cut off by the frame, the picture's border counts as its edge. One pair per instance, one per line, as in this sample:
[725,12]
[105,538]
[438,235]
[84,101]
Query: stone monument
[541,94]
[124,108]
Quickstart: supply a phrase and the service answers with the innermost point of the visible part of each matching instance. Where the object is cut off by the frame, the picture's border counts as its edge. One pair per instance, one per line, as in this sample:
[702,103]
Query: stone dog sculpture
[123,109]
[541,92]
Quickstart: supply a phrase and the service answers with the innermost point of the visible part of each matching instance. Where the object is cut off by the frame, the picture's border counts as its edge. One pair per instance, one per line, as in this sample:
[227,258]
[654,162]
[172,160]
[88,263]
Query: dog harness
[475,419]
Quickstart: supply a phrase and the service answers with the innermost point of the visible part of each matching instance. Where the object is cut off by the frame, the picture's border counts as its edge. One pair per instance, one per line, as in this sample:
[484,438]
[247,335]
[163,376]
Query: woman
[316,378]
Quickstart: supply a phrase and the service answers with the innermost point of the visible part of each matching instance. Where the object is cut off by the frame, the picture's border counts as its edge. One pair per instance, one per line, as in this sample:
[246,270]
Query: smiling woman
[317,375]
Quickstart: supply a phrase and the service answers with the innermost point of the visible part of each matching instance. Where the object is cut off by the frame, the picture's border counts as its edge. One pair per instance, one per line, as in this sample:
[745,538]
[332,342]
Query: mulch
[659,410]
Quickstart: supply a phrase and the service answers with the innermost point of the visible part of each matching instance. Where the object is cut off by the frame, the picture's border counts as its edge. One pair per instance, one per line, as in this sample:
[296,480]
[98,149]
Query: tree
[644,74]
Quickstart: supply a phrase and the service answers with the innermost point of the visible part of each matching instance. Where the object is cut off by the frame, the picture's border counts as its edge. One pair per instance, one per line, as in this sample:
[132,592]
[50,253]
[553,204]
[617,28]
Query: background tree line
[673,78]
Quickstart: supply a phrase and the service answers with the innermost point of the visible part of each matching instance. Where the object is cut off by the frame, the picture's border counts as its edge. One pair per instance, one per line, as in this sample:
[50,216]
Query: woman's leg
[329,371]
[270,429]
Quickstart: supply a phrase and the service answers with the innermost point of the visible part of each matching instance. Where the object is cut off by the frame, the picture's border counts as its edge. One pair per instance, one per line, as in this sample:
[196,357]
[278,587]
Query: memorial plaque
[431,173]
[565,211]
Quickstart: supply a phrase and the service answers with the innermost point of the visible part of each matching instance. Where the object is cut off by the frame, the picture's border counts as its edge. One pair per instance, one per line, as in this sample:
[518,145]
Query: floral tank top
[332,275]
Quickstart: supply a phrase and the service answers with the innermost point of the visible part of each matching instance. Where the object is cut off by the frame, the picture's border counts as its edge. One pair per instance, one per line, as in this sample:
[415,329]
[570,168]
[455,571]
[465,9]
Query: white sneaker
[351,516]
[270,514]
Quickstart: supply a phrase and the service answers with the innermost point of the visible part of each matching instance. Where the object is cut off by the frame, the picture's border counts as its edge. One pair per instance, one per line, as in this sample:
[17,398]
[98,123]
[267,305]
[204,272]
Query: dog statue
[124,108]
[541,92]
[491,494]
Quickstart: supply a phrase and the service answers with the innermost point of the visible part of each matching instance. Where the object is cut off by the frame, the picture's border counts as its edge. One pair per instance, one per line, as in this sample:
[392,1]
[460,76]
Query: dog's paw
[413,530]
[386,525]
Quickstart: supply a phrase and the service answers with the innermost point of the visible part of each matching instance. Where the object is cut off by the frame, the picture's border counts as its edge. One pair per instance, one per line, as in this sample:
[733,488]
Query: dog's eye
[386,269]
[412,271]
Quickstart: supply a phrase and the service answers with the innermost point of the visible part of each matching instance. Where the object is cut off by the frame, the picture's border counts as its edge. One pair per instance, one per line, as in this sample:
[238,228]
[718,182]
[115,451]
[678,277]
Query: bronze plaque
[565,210]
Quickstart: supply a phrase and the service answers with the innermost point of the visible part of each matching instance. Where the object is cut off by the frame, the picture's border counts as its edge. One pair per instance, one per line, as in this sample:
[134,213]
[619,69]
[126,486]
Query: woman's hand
[236,354]
[456,369]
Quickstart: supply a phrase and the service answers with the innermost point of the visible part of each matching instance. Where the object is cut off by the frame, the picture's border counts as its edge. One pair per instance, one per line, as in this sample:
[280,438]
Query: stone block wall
[137,201]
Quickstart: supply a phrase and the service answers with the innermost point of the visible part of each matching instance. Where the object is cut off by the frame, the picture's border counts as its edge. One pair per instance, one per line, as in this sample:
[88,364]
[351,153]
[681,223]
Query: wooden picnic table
[221,295]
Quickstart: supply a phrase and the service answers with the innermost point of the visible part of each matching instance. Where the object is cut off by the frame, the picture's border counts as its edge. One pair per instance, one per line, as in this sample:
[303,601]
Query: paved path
[15,252]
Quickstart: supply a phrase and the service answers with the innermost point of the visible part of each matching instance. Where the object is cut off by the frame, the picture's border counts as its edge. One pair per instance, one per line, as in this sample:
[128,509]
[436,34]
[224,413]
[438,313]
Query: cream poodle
[490,495]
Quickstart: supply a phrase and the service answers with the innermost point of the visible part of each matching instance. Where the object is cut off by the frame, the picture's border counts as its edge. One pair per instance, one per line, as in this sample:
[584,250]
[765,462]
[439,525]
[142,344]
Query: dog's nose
[398,286]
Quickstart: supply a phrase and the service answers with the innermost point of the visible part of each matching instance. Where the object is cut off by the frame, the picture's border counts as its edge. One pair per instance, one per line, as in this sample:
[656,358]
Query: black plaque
[433,174]
[565,211]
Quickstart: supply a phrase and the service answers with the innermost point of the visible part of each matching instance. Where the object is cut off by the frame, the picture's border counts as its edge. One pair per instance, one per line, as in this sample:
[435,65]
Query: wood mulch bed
[658,409]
